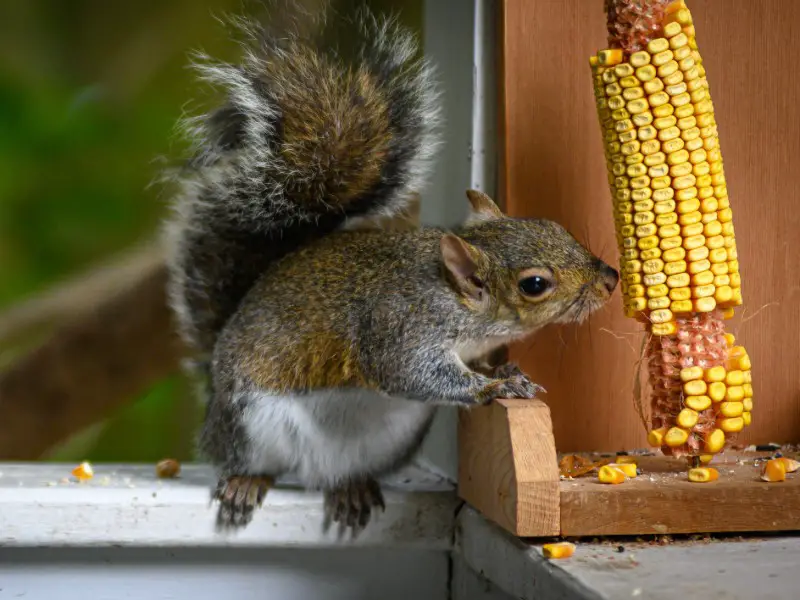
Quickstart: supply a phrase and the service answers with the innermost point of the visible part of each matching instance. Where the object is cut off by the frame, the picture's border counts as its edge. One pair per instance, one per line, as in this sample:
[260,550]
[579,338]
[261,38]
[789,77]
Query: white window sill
[126,505]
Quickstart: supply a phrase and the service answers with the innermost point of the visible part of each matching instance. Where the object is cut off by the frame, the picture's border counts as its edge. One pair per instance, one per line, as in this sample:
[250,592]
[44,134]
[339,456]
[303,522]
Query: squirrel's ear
[483,207]
[460,261]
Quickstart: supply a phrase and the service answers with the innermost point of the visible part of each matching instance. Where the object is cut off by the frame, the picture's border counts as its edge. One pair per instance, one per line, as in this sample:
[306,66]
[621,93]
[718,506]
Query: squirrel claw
[351,505]
[238,497]
[517,385]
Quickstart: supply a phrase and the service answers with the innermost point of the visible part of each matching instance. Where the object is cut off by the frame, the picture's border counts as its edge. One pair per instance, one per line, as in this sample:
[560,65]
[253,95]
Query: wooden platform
[509,472]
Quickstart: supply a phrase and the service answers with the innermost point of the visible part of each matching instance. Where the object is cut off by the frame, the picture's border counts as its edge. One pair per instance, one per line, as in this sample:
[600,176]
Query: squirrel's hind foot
[238,497]
[351,505]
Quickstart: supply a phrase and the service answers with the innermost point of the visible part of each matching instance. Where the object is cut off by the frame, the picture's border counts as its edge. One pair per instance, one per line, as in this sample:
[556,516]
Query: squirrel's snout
[609,277]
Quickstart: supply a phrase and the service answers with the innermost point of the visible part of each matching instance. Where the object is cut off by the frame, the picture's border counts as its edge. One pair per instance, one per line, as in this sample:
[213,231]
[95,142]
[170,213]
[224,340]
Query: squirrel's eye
[534,286]
[536,283]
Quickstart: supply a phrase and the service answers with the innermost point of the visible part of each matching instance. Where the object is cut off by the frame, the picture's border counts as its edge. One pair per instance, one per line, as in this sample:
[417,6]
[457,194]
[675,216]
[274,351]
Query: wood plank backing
[663,501]
[554,168]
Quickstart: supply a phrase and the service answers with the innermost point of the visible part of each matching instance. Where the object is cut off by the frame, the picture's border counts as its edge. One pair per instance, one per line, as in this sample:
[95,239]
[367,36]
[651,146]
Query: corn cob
[679,263]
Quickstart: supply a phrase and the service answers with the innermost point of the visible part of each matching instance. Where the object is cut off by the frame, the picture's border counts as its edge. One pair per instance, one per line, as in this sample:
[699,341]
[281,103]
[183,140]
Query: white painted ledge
[731,570]
[127,505]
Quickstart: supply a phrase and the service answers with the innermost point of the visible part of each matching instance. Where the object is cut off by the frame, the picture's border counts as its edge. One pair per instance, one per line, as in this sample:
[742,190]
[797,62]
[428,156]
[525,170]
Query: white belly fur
[329,435]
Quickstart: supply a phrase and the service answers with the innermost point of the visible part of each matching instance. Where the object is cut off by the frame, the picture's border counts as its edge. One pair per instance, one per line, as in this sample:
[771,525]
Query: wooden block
[662,501]
[508,468]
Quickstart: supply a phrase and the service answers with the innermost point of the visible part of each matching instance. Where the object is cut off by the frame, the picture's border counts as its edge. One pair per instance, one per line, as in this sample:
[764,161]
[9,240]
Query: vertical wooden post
[508,468]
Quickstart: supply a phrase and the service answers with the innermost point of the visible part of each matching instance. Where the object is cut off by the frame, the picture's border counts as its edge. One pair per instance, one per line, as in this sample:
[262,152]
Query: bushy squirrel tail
[317,128]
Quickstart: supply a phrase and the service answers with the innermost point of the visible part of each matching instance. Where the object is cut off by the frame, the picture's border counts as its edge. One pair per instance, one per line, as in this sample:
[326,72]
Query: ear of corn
[678,258]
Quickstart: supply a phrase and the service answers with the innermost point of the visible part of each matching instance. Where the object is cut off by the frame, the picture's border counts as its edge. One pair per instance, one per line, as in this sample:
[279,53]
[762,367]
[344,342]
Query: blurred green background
[90,92]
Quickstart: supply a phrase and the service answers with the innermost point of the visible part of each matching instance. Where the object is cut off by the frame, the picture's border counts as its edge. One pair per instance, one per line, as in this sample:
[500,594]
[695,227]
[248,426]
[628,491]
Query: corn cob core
[632,23]
[679,264]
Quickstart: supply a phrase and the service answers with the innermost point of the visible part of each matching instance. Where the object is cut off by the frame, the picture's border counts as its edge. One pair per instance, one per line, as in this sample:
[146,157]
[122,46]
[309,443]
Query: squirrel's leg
[246,476]
[351,504]
[441,377]
[238,497]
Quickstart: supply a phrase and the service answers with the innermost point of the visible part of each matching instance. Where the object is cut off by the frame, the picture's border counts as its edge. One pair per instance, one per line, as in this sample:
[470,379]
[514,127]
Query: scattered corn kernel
[168,468]
[83,471]
[558,550]
[609,474]
[703,475]
[629,468]
[773,471]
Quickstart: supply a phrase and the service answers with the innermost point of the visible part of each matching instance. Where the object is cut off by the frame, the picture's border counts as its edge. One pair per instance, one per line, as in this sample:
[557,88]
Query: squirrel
[326,347]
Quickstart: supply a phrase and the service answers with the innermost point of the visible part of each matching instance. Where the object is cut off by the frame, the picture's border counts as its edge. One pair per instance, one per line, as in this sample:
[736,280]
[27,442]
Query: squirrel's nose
[609,277]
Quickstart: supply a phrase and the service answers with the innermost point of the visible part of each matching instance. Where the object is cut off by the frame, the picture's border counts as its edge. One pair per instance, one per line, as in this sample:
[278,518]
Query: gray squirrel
[324,347]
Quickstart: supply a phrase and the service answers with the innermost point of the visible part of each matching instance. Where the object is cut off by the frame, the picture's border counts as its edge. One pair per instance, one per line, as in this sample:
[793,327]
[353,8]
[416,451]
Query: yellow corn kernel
[704,304]
[650,254]
[657,291]
[744,363]
[697,403]
[609,474]
[662,315]
[83,471]
[675,267]
[747,418]
[638,304]
[654,46]
[669,328]
[691,373]
[734,393]
[665,123]
[658,303]
[734,377]
[703,291]
[695,254]
[681,170]
[703,475]
[714,374]
[687,418]
[656,437]
[663,207]
[653,86]
[706,458]
[789,464]
[693,230]
[730,340]
[610,57]
[675,437]
[747,404]
[688,206]
[558,550]
[731,409]
[629,468]
[732,425]
[668,244]
[663,195]
[639,59]
[773,471]
[668,231]
[717,391]
[700,266]
[719,255]
[715,441]
[695,241]
[695,387]
[681,306]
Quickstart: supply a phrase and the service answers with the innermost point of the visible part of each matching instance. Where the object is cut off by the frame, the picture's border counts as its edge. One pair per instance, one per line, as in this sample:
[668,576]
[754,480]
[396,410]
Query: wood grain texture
[507,465]
[663,501]
[554,168]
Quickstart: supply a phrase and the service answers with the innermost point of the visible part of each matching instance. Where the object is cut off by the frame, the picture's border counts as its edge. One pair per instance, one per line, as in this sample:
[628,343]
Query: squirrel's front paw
[507,371]
[515,386]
